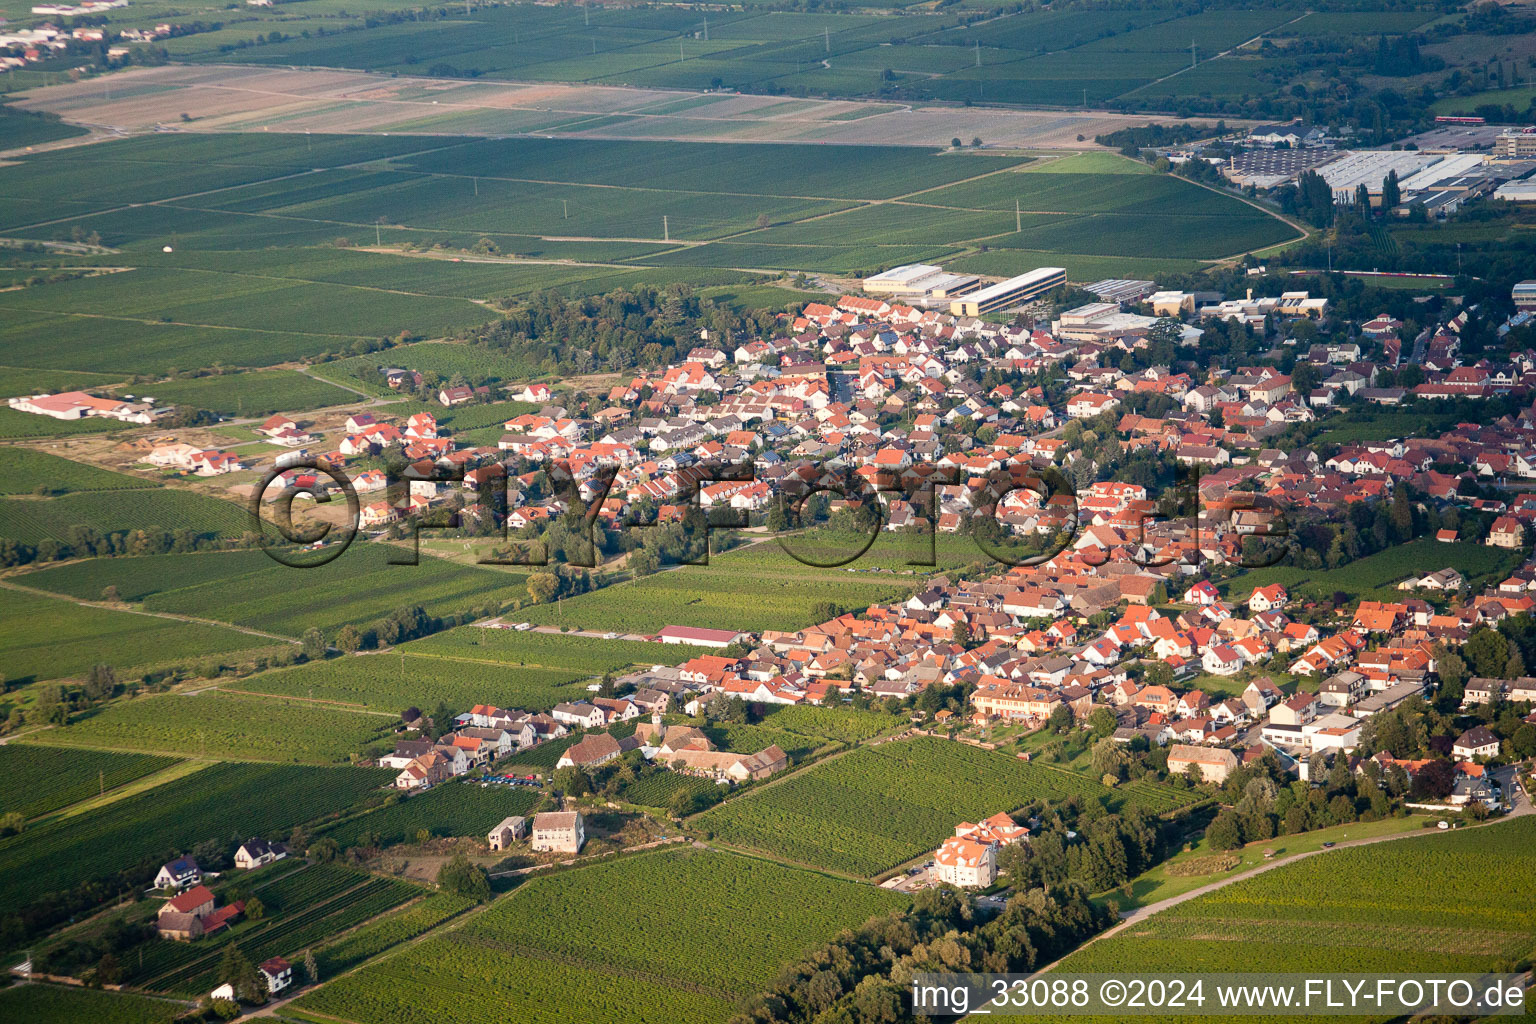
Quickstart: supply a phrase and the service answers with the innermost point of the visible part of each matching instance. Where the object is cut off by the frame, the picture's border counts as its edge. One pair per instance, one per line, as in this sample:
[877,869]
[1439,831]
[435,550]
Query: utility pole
[666,235]
[1085,97]
[680,56]
[1193,60]
[586,12]
[827,34]
[102,778]
[565,205]
[1018,218]
[978,53]
[477,186]
[378,239]
[706,28]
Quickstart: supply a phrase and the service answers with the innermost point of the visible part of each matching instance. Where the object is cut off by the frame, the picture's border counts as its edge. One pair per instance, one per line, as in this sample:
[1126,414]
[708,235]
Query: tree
[349,639]
[108,970]
[462,878]
[1108,758]
[955,142]
[324,850]
[1487,651]
[314,643]
[572,782]
[1060,720]
[109,594]
[543,587]
[1435,780]
[1157,674]
[237,971]
[255,910]
[1452,671]
[100,681]
[1391,192]
[1102,722]
[680,804]
[1225,832]
[311,969]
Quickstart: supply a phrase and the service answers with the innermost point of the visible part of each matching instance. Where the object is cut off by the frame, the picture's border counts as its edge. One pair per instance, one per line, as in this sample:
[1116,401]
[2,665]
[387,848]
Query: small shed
[508,832]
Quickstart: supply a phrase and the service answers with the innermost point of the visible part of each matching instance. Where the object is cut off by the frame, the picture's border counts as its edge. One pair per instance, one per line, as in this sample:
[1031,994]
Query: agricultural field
[453,809]
[1057,57]
[1375,577]
[395,680]
[249,588]
[755,589]
[25,471]
[302,907]
[658,788]
[869,810]
[1478,912]
[644,212]
[255,393]
[43,779]
[31,521]
[580,656]
[214,723]
[731,923]
[48,638]
[41,1003]
[387,931]
[137,833]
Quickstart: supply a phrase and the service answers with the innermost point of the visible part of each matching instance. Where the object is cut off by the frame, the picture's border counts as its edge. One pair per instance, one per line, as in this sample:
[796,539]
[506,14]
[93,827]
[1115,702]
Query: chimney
[1250,294]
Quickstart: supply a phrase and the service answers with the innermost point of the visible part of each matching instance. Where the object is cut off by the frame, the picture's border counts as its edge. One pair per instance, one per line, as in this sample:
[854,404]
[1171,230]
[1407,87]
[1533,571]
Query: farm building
[699,637]
[558,832]
[508,832]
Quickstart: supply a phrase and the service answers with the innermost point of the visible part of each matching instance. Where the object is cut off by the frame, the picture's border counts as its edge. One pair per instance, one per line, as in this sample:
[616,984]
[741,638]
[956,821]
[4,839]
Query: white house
[1478,741]
[253,853]
[581,715]
[181,873]
[964,863]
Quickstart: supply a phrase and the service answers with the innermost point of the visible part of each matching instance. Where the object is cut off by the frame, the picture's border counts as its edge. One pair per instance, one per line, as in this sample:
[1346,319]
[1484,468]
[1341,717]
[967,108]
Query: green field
[46,638]
[218,724]
[24,471]
[248,588]
[44,780]
[867,811]
[756,588]
[394,681]
[41,1003]
[392,929]
[1375,577]
[730,922]
[1037,56]
[453,809]
[264,269]
[255,393]
[149,508]
[136,833]
[301,908]
[1474,911]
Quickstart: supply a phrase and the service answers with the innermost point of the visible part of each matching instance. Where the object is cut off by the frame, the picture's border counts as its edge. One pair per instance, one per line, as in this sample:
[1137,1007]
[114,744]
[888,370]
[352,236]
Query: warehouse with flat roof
[1013,292]
[920,283]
